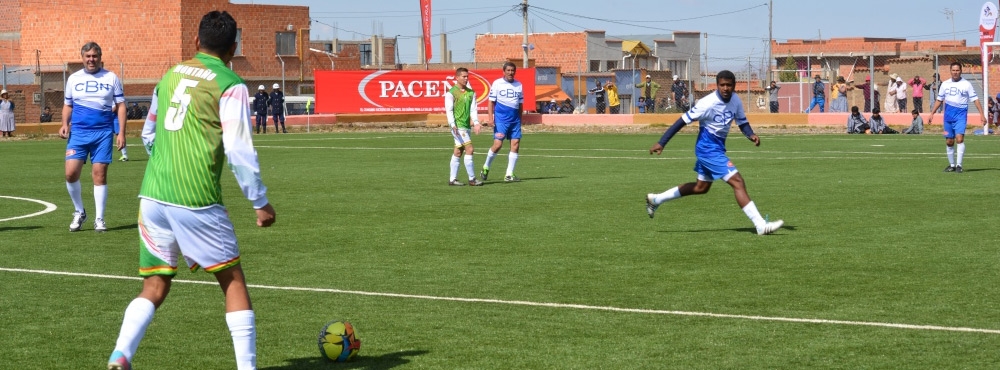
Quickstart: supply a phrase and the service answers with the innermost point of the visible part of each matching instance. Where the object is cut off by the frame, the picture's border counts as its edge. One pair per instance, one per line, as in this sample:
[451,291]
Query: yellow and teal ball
[338,341]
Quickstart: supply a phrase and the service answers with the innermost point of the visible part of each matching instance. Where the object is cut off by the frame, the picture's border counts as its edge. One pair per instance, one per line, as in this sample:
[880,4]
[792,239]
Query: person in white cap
[6,114]
[260,109]
[277,102]
[648,93]
[680,91]
[900,94]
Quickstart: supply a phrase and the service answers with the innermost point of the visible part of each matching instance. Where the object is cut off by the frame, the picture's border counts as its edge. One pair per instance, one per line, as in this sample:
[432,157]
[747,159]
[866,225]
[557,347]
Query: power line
[638,25]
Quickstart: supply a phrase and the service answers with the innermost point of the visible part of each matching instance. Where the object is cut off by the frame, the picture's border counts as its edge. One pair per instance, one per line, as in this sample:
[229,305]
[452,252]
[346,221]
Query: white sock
[138,315]
[961,153]
[511,163]
[100,196]
[470,167]
[453,175]
[124,152]
[244,332]
[951,156]
[673,193]
[489,158]
[75,194]
[753,214]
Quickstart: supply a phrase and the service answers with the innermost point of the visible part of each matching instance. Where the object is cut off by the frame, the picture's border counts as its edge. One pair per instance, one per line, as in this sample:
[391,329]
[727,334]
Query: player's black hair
[876,111]
[460,70]
[725,74]
[854,109]
[91,46]
[217,32]
[509,64]
[956,64]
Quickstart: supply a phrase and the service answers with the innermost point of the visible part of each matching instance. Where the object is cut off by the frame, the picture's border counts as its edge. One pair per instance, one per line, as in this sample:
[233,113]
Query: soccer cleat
[511,178]
[650,207]
[949,169]
[770,227]
[99,225]
[475,182]
[958,169]
[118,362]
[455,183]
[123,158]
[485,173]
[78,219]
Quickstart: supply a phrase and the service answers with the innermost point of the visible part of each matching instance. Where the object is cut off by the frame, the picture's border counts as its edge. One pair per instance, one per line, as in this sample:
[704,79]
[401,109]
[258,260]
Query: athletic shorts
[507,130]
[97,144]
[955,121]
[205,238]
[463,138]
[713,168]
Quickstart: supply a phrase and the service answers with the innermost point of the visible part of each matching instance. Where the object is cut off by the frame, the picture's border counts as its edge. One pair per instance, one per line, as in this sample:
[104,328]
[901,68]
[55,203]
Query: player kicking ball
[715,114]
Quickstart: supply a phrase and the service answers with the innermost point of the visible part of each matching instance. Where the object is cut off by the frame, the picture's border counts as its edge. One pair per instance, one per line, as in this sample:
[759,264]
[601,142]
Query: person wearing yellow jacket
[613,102]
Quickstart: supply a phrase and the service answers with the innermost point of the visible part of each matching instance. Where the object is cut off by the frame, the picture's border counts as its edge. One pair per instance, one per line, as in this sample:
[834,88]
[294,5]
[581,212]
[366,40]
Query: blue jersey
[507,98]
[93,97]
[715,117]
[956,96]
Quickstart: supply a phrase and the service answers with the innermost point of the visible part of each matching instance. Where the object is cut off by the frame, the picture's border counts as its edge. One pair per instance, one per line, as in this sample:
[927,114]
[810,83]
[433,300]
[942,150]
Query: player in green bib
[460,107]
[199,121]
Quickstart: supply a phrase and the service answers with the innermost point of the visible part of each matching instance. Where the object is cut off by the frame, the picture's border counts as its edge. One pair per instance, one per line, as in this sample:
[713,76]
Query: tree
[788,70]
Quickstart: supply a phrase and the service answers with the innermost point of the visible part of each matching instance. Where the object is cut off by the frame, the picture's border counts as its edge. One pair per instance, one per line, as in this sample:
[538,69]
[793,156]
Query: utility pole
[41,78]
[770,38]
[524,11]
[950,14]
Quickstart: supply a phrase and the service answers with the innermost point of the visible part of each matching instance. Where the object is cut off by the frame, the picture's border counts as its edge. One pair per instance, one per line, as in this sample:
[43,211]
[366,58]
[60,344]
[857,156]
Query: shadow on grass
[750,230]
[980,169]
[523,179]
[387,361]
[124,227]
[2,229]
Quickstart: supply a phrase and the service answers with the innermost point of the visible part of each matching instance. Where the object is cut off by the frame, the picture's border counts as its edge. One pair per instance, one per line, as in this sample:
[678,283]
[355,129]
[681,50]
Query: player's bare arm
[120,110]
[67,112]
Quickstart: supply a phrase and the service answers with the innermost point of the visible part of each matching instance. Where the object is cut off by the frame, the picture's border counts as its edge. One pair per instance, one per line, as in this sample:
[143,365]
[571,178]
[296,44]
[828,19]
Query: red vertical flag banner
[425,21]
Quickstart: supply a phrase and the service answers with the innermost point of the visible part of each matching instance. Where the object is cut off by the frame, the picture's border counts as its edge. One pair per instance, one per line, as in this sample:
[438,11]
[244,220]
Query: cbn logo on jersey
[724,117]
[509,93]
[92,86]
[954,91]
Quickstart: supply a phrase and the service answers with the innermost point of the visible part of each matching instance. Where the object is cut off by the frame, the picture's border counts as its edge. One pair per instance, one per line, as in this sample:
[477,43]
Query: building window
[365,50]
[307,89]
[285,43]
[239,41]
[328,47]
[612,64]
[595,66]
[679,68]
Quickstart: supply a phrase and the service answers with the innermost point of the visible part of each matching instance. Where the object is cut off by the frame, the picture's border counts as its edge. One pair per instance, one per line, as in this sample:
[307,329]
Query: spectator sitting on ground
[856,123]
[878,124]
[917,127]
[566,107]
[46,115]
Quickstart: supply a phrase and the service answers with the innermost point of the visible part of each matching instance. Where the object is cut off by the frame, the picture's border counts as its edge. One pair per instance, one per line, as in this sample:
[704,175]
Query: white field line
[49,207]
[546,304]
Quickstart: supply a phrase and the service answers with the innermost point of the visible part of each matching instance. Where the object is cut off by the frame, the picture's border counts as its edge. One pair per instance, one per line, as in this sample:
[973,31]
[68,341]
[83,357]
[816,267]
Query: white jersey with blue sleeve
[507,98]
[956,96]
[93,97]
[715,118]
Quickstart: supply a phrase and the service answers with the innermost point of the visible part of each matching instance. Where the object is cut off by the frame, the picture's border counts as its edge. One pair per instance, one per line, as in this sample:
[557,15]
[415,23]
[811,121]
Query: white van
[300,105]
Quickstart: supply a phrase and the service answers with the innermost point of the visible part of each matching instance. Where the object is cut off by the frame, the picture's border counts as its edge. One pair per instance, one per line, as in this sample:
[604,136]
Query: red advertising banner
[425,21]
[987,28]
[406,91]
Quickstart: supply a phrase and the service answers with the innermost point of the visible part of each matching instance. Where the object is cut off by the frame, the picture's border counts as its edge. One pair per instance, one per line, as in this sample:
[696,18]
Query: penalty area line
[49,207]
[545,304]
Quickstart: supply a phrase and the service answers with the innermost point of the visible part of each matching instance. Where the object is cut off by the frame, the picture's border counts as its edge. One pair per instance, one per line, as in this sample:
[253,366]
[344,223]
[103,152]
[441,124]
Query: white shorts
[205,238]
[463,138]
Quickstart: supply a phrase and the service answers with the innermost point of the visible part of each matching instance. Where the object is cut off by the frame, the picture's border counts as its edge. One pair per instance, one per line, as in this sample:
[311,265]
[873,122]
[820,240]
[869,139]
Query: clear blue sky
[737,28]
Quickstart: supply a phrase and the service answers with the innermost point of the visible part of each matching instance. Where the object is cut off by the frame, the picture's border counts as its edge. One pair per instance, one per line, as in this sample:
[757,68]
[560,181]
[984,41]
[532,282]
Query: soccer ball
[338,341]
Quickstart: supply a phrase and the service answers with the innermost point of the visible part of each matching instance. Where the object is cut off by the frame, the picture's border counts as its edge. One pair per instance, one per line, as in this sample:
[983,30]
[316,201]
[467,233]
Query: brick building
[140,39]
[352,55]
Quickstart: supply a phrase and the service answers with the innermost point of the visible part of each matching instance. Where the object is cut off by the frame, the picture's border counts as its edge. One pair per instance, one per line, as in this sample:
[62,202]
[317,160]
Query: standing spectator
[46,115]
[6,114]
[649,89]
[838,94]
[919,85]
[680,91]
[890,95]
[900,94]
[955,94]
[819,95]
[866,89]
[772,96]
[857,123]
[934,86]
[180,207]
[505,108]
[260,103]
[460,108]
[277,102]
[917,126]
[92,97]
[640,105]
[599,93]
[614,102]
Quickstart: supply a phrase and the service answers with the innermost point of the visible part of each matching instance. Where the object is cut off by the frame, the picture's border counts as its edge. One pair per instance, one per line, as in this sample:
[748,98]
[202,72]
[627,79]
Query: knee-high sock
[489,158]
[124,152]
[753,214]
[961,153]
[244,331]
[138,315]
[470,167]
[76,195]
[668,195]
[100,196]
[453,175]
[511,163]
[951,155]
